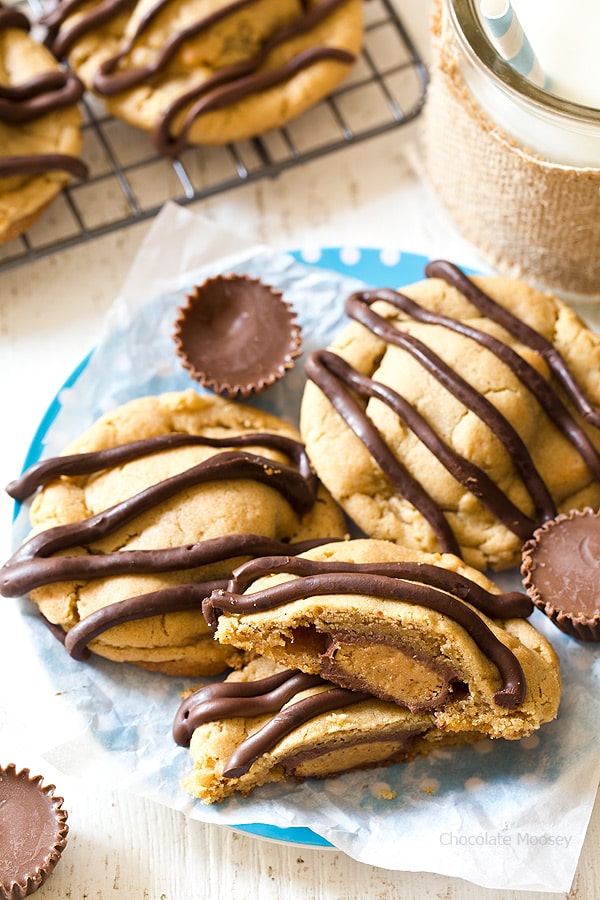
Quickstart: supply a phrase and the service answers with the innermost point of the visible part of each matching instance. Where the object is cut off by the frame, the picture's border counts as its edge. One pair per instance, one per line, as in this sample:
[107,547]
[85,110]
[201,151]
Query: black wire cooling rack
[129,182]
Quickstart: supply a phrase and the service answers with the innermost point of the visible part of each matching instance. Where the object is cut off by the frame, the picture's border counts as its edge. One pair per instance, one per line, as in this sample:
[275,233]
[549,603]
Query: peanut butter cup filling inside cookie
[270,723]
[391,670]
[293,699]
[377,655]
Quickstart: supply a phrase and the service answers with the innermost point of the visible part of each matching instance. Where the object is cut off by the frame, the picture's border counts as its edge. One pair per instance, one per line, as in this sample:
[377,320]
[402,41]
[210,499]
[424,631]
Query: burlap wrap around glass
[529,217]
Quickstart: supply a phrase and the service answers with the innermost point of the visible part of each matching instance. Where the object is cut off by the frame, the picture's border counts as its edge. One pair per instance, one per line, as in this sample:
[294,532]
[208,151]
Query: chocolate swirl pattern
[33,564]
[561,399]
[496,605]
[86,463]
[169,50]
[38,96]
[253,698]
[62,35]
[519,329]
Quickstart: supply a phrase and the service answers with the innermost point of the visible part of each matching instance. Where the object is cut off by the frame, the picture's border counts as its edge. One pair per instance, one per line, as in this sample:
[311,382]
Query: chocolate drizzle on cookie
[39,96]
[426,585]
[34,564]
[257,698]
[178,598]
[520,330]
[226,465]
[341,384]
[238,698]
[13,18]
[226,86]
[60,41]
[498,606]
[43,162]
[87,463]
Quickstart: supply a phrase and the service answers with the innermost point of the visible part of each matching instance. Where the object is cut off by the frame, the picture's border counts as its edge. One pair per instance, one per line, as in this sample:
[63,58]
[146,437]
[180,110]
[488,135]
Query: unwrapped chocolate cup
[33,832]
[236,335]
[561,572]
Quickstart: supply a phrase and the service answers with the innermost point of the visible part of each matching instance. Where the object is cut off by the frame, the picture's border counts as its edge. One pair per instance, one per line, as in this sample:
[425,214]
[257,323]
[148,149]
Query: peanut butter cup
[33,832]
[236,335]
[561,568]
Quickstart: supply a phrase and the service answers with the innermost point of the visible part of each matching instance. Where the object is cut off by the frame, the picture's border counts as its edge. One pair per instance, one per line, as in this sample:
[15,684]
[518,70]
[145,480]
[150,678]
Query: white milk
[568,53]
[522,181]
[565,36]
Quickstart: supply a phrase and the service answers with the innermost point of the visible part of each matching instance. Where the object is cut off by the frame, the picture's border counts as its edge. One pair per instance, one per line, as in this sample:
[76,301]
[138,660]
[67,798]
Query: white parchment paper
[509,815]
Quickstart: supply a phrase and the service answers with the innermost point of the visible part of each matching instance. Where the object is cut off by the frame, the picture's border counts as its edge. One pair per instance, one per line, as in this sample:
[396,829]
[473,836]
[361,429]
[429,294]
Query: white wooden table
[50,311]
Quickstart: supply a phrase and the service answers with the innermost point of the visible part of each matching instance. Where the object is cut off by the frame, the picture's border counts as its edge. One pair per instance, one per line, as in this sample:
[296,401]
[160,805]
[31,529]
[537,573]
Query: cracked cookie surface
[465,424]
[147,532]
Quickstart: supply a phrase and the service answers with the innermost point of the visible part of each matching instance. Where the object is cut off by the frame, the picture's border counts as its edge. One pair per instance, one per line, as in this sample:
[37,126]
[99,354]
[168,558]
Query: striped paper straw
[510,40]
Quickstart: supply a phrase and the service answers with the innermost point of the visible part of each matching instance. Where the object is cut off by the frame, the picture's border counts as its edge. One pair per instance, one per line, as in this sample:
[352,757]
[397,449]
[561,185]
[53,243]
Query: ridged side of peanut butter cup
[561,572]
[236,335]
[33,832]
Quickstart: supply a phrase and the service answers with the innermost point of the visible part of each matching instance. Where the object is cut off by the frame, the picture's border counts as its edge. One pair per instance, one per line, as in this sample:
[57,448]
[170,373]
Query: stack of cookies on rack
[187,72]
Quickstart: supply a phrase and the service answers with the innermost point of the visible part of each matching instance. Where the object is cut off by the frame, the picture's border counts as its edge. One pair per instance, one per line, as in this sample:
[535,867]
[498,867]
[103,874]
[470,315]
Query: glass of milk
[518,165]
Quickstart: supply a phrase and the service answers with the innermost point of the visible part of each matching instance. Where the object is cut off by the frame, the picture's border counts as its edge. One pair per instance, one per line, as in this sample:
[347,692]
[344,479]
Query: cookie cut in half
[268,724]
[151,509]
[466,410]
[424,631]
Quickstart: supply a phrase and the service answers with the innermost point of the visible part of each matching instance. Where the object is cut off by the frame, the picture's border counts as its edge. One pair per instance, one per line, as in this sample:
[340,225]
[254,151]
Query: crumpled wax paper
[501,814]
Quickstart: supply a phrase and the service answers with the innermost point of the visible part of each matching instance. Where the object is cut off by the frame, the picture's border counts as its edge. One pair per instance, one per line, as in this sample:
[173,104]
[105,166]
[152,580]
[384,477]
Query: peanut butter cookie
[423,631]
[466,411]
[267,724]
[208,71]
[40,136]
[148,511]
